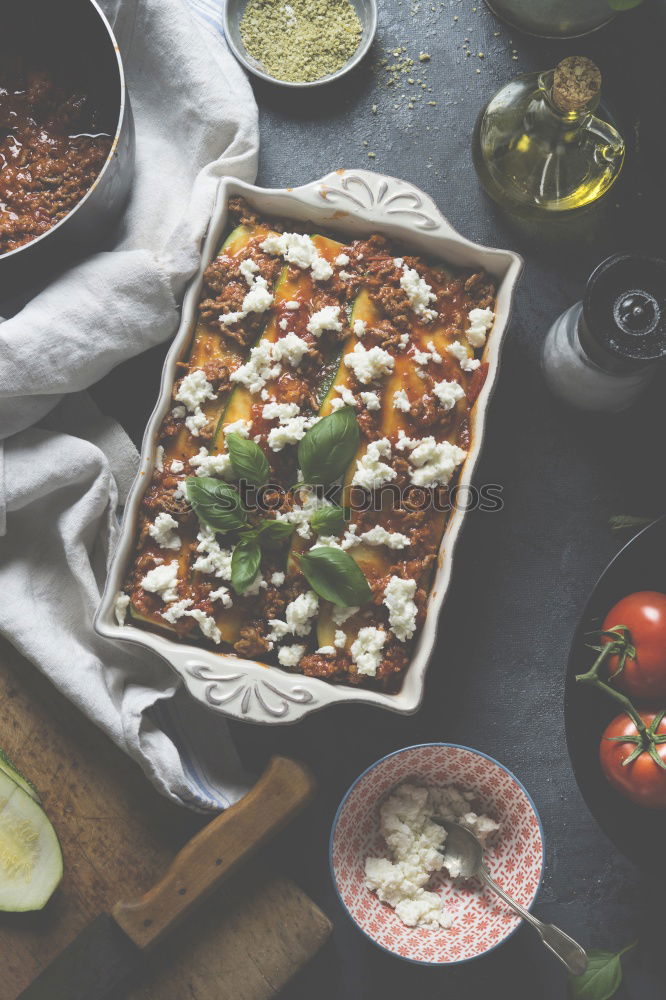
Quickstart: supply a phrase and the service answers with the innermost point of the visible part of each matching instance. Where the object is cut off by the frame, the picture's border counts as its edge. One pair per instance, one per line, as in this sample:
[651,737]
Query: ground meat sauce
[51,150]
[373,266]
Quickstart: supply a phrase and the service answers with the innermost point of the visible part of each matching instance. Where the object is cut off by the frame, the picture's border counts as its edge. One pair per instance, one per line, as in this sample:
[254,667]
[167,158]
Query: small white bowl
[366,11]
[515,859]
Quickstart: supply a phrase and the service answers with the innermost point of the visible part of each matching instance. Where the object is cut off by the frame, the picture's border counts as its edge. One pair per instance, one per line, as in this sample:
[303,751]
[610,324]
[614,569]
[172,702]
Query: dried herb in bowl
[303,40]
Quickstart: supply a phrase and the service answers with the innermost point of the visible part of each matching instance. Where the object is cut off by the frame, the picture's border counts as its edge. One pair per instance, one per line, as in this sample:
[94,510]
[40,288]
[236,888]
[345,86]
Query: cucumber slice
[7,765]
[30,855]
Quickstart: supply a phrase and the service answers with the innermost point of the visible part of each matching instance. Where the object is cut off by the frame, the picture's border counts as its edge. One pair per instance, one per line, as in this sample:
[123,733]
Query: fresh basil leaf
[329,446]
[623,4]
[248,461]
[245,562]
[602,978]
[328,520]
[273,532]
[215,503]
[335,576]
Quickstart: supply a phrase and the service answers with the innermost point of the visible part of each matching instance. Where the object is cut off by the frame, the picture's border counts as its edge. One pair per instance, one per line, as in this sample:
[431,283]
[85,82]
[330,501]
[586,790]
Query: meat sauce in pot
[52,146]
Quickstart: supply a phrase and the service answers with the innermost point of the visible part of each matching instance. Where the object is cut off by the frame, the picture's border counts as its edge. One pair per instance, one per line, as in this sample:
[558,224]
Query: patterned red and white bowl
[515,859]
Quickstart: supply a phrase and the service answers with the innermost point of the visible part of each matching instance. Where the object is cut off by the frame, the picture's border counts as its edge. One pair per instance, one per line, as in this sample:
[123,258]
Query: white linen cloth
[63,466]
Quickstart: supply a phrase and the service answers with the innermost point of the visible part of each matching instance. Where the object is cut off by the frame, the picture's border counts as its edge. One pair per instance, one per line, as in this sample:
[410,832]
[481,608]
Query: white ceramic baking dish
[352,203]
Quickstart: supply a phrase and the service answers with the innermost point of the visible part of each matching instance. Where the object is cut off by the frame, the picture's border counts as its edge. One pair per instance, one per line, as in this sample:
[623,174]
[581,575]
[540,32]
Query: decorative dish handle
[241,689]
[390,197]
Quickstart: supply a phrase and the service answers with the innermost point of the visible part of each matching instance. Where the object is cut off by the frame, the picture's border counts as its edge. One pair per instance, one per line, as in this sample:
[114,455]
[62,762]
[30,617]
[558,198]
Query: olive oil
[538,148]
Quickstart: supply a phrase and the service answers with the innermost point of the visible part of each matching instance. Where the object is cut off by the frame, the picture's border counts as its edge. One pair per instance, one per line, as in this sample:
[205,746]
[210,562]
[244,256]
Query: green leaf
[601,980]
[328,520]
[245,562]
[623,4]
[215,503]
[335,576]
[274,532]
[329,446]
[248,461]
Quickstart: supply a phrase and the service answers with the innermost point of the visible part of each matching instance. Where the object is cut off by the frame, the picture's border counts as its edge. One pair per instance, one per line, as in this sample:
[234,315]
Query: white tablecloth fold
[63,466]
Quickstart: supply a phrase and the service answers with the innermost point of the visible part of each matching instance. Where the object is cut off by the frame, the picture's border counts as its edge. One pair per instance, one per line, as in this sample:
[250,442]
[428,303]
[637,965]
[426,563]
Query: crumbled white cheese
[341,615]
[277,579]
[431,353]
[257,584]
[371,472]
[347,396]
[210,465]
[417,846]
[247,269]
[302,512]
[291,349]
[368,365]
[403,341]
[159,458]
[327,651]
[401,401]
[194,390]
[434,462]
[342,260]
[292,305]
[419,293]
[177,466]
[164,531]
[176,610]
[212,558]
[359,327]
[448,393]
[289,656]
[206,624]
[366,650]
[178,412]
[258,299]
[399,599]
[221,594]
[280,411]
[196,422]
[120,607]
[398,261]
[240,427]
[300,611]
[340,640]
[327,318]
[292,426]
[371,400]
[378,535]
[162,580]
[480,321]
[283,324]
[258,369]
[299,250]
[459,352]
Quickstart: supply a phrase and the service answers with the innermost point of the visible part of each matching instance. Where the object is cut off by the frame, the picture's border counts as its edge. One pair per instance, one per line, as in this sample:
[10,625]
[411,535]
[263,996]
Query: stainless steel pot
[80,30]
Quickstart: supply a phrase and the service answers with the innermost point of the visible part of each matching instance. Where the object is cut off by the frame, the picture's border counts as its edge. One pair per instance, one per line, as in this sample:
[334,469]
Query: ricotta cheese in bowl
[388,854]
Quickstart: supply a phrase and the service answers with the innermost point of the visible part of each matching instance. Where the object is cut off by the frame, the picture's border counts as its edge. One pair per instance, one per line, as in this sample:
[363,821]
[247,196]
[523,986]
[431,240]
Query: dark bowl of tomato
[628,800]
[66,135]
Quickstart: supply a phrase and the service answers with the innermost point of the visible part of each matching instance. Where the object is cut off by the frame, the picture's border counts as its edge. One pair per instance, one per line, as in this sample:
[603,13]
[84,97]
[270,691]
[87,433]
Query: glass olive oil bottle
[538,148]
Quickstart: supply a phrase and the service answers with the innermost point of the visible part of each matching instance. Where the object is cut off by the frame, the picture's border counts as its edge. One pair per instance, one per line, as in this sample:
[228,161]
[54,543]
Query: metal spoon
[465,854]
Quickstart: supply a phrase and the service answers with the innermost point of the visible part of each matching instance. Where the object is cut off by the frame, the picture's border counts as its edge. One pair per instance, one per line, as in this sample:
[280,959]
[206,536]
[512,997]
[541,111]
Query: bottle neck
[567,118]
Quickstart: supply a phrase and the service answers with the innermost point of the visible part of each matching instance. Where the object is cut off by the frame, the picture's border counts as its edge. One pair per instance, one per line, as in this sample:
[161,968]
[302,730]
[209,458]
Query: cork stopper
[576,84]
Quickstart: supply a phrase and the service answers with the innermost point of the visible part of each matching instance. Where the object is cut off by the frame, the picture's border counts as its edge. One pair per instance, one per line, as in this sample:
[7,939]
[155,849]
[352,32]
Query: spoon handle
[564,947]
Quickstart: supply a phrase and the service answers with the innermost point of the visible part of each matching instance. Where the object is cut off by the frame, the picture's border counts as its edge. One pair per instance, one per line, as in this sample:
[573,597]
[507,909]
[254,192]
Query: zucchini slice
[30,855]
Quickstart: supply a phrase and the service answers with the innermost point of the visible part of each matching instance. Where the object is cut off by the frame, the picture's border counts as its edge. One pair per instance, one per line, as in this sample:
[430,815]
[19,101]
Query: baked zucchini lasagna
[304,471]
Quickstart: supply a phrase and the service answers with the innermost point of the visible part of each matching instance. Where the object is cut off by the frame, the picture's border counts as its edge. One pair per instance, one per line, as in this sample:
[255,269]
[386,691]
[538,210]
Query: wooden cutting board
[118,835]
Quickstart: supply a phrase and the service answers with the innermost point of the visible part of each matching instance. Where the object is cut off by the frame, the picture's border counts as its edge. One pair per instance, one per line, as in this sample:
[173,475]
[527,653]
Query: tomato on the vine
[643,673]
[642,779]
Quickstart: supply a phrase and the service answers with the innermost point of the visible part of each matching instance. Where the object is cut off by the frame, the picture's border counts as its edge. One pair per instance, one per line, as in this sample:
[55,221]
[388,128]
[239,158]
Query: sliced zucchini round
[30,855]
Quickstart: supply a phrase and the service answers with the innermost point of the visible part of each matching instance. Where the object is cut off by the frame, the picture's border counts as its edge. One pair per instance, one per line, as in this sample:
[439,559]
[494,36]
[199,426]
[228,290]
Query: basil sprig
[215,503]
[328,447]
[274,532]
[602,978]
[335,576]
[248,461]
[328,520]
[245,562]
